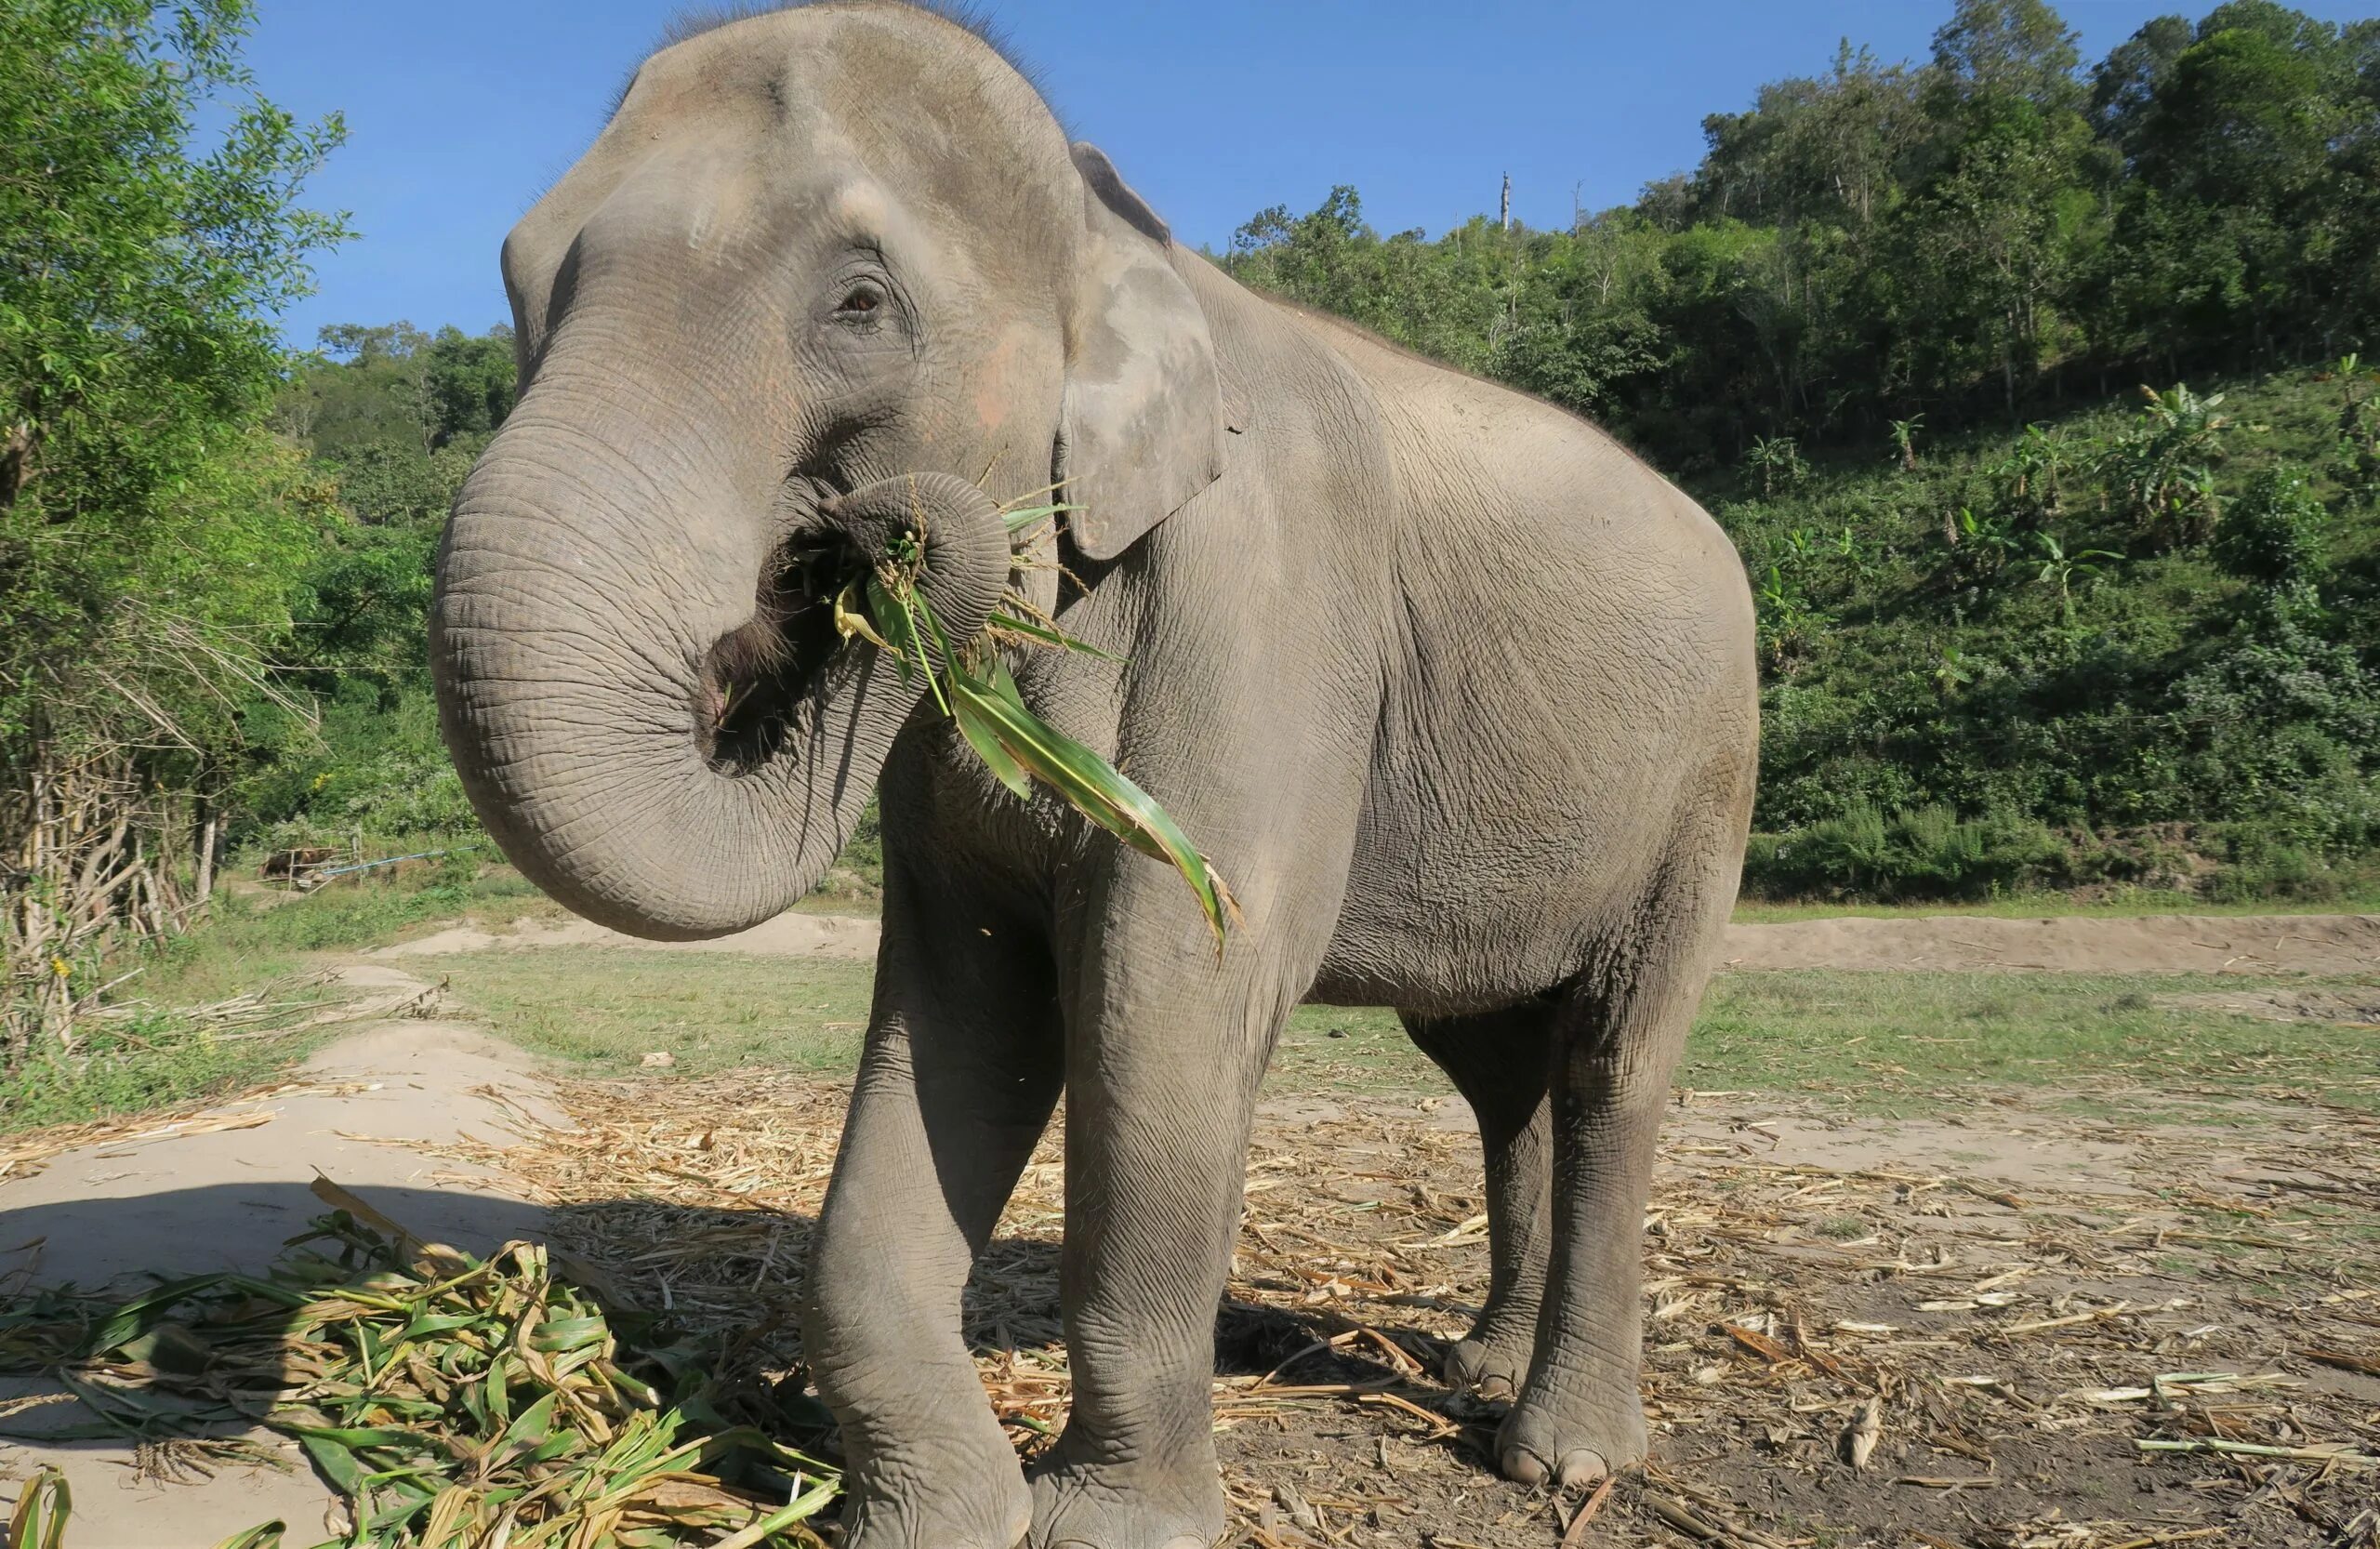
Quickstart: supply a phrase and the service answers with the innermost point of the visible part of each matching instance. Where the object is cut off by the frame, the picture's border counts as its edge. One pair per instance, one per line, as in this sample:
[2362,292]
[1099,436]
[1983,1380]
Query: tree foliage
[150,528]
[1985,236]
[2141,620]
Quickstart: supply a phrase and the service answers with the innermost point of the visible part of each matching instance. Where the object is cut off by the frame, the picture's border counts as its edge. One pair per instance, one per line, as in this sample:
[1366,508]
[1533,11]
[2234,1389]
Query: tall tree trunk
[208,824]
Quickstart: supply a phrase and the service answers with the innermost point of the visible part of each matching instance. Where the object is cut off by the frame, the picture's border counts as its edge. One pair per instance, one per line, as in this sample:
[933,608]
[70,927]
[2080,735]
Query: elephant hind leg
[1618,1036]
[1500,1062]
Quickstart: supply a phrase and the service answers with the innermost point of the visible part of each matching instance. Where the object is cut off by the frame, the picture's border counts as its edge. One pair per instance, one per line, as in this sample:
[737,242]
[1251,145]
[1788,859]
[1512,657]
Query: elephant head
[823,270]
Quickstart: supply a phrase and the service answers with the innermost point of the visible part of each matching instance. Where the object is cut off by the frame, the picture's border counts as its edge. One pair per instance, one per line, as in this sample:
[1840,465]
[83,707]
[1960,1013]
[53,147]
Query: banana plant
[1904,440]
[1952,672]
[2061,570]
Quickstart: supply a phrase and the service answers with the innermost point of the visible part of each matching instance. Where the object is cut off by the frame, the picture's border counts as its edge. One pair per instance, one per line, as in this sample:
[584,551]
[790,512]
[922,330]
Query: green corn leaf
[497,1394]
[1098,790]
[128,1320]
[895,612]
[801,1508]
[265,1535]
[1012,741]
[1033,629]
[353,1436]
[983,736]
[567,1333]
[338,1465]
[39,1521]
[530,1425]
[1026,516]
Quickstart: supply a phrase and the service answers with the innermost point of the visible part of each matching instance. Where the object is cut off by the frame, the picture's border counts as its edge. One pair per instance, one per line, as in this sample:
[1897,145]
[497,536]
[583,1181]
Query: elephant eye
[861,300]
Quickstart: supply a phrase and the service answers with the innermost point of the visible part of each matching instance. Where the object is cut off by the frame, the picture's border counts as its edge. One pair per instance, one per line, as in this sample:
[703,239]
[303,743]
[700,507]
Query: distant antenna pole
[1508,201]
[1574,204]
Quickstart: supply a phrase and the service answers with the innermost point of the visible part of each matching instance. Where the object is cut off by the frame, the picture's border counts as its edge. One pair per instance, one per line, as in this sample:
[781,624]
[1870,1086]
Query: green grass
[1917,1040]
[1874,1042]
[2126,904]
[606,1008]
[1912,1043]
[251,938]
[252,935]
[136,1070]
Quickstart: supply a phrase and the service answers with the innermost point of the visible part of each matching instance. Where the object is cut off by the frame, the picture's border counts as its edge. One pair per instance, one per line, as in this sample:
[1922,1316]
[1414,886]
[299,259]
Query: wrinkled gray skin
[1458,696]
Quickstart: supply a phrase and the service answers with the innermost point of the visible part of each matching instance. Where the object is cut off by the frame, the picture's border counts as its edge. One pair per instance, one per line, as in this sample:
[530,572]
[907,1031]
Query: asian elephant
[1458,697]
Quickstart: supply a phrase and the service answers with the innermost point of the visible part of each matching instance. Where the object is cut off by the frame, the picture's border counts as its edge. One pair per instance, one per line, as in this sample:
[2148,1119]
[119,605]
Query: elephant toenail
[1581,1467]
[1494,1388]
[1523,1466]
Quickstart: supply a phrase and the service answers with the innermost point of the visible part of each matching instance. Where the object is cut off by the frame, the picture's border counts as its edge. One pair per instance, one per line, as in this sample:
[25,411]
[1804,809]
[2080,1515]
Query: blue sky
[459,111]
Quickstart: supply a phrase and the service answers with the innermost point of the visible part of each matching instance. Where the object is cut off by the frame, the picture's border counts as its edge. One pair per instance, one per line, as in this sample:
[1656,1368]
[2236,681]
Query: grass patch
[1886,1042]
[711,1012]
[1912,1043]
[1879,1042]
[120,1071]
[160,1054]
[254,934]
[2127,904]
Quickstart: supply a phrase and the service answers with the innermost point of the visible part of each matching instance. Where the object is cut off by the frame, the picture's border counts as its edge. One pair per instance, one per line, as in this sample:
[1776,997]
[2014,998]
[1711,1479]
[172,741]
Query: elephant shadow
[732,1278]
[752,1261]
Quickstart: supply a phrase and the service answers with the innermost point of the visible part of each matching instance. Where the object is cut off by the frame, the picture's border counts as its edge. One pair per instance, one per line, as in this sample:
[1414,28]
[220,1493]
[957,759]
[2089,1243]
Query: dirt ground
[2154,943]
[2103,1317]
[1949,944]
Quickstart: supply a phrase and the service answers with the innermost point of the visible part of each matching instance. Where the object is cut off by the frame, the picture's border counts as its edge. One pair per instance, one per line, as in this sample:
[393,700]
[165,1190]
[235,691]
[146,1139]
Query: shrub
[1926,852]
[2274,534]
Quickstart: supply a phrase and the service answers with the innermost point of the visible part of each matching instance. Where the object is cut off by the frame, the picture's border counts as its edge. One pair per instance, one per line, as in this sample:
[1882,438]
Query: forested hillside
[2024,620]
[2022,623]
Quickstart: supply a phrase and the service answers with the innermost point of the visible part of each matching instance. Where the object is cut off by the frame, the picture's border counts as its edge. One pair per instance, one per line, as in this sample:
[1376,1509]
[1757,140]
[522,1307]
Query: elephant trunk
[638,671]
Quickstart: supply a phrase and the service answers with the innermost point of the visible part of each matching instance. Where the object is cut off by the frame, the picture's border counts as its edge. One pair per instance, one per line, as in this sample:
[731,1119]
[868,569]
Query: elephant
[1458,695]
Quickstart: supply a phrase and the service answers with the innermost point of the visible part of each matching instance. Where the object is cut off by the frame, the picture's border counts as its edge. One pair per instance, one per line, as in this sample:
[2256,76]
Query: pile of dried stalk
[1848,1356]
[2172,1336]
[451,1402]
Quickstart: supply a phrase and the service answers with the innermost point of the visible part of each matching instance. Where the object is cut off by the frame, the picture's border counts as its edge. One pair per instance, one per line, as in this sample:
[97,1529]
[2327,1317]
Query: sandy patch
[2154,943]
[788,935]
[2353,1008]
[223,1191]
[1950,944]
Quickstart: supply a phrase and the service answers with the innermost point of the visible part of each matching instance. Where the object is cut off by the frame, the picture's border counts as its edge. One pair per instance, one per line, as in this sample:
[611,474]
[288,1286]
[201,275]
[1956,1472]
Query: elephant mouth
[758,679]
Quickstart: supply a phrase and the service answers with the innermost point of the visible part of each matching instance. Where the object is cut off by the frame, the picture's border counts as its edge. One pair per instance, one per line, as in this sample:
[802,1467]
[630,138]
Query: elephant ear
[1141,425]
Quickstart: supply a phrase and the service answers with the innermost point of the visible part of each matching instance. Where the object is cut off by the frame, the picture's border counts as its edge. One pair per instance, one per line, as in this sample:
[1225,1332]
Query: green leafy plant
[2060,570]
[1981,546]
[2037,467]
[1904,440]
[2275,533]
[1788,620]
[1952,672]
[1777,460]
[39,1521]
[2162,466]
[972,686]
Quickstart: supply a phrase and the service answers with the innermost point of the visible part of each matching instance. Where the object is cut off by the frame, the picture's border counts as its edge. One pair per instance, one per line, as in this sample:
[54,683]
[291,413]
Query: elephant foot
[1569,1442]
[1487,1366]
[1084,1506]
[944,1502]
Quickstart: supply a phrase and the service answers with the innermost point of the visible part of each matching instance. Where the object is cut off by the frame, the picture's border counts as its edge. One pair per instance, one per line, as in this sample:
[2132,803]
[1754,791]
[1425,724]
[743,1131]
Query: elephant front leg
[1160,1097]
[961,1069]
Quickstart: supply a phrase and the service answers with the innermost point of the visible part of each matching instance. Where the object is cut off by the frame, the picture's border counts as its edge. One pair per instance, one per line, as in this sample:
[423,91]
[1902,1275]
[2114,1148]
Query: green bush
[2275,533]
[1927,853]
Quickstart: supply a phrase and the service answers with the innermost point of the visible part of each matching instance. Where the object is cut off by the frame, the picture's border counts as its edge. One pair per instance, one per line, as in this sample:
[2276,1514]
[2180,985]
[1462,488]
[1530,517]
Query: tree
[2018,48]
[2124,84]
[149,527]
